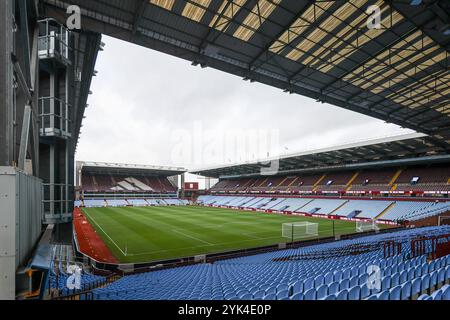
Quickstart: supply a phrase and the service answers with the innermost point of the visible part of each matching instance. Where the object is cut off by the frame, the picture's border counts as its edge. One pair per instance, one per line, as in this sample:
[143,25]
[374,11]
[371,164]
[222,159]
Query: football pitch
[144,234]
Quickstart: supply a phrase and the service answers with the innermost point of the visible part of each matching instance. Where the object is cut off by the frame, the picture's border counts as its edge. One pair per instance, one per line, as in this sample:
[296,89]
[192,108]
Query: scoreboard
[191,186]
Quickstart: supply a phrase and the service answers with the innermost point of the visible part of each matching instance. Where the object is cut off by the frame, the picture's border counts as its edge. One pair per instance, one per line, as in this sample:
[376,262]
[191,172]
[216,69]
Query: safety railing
[54,117]
[57,199]
[53,40]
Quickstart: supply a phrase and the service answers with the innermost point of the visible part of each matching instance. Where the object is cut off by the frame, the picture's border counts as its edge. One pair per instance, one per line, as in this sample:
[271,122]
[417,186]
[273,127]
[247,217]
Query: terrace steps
[331,213]
[395,177]
[281,183]
[316,185]
[293,181]
[262,184]
[389,207]
[305,204]
[348,186]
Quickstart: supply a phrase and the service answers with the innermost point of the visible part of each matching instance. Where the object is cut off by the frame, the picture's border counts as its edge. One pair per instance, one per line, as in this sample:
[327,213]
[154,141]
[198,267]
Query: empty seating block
[310,273]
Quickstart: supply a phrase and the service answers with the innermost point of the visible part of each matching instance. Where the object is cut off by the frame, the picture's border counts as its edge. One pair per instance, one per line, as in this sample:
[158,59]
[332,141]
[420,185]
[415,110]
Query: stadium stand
[121,180]
[286,183]
[322,206]
[384,210]
[137,202]
[430,179]
[363,208]
[61,258]
[330,271]
[402,208]
[89,203]
[335,182]
[103,183]
[372,180]
[116,203]
[94,203]
[398,180]
[306,183]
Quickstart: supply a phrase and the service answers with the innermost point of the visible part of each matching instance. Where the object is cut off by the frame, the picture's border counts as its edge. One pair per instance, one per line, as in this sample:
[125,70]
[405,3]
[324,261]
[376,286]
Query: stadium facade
[323,50]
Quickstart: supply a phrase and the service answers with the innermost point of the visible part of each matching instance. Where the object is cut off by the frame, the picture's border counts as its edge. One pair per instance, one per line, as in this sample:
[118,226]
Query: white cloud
[143,99]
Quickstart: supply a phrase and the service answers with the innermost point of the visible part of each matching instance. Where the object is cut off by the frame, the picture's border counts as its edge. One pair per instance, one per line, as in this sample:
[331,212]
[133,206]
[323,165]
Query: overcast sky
[152,108]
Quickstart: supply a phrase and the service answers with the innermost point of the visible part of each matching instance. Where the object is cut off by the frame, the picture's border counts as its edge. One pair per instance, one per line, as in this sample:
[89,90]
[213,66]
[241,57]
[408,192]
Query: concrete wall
[21,215]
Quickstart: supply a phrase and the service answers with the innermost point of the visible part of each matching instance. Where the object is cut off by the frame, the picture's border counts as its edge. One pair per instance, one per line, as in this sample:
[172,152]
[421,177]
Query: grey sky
[152,108]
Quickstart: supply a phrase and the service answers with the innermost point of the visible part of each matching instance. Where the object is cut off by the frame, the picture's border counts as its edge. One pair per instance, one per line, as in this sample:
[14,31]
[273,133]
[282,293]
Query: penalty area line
[192,237]
[123,253]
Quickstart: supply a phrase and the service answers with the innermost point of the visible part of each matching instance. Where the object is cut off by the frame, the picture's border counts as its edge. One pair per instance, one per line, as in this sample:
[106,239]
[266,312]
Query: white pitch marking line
[192,237]
[105,233]
[200,246]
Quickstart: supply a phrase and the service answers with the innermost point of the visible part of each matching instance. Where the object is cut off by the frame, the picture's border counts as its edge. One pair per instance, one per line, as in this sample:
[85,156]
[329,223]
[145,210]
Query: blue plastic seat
[308,284]
[441,276]
[342,295]
[395,293]
[333,288]
[328,278]
[365,291]
[297,287]
[433,280]
[431,266]
[363,279]
[425,268]
[447,274]
[282,294]
[310,294]
[354,281]
[344,284]
[337,275]
[270,296]
[395,279]
[346,274]
[445,292]
[297,296]
[241,292]
[354,293]
[282,287]
[321,292]
[437,295]
[411,274]
[258,295]
[386,283]
[384,295]
[406,290]
[416,287]
[425,285]
[330,297]
[403,276]
[354,272]
[417,272]
[424,297]
[318,281]
[270,290]
[246,296]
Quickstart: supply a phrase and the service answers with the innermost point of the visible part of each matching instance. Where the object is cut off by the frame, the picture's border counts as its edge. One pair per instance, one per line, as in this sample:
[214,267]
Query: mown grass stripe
[157,233]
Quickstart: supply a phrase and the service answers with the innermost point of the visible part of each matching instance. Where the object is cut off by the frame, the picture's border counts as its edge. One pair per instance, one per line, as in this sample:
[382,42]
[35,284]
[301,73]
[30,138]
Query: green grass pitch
[143,234]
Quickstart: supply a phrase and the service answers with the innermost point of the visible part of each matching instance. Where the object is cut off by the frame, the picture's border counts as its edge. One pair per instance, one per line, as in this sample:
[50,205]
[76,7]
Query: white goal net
[297,230]
[369,225]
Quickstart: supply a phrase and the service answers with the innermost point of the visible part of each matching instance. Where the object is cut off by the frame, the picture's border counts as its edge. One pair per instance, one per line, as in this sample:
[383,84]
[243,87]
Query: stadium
[367,220]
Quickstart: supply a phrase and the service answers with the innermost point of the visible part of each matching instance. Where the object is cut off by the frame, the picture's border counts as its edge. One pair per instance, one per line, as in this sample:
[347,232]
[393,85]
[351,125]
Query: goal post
[366,225]
[298,230]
